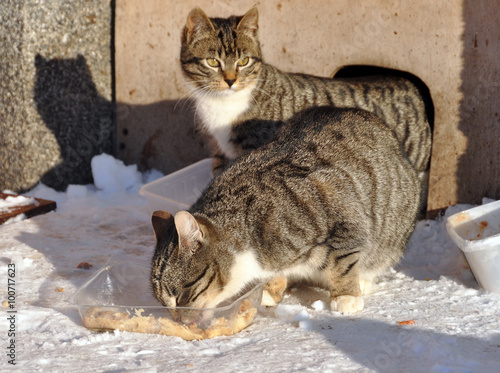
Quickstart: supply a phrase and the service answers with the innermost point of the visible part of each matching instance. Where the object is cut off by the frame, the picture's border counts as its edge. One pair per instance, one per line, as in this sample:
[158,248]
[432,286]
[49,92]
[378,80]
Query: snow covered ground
[456,329]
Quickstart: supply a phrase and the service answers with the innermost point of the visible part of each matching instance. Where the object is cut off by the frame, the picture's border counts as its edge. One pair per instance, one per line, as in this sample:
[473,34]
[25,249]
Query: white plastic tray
[477,233]
[180,189]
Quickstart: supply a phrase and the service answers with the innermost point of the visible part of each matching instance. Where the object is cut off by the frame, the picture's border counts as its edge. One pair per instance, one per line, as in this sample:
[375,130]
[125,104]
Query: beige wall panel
[452,46]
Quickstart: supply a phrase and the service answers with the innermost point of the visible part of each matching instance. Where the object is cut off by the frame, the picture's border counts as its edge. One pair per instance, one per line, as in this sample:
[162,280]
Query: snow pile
[455,323]
[111,175]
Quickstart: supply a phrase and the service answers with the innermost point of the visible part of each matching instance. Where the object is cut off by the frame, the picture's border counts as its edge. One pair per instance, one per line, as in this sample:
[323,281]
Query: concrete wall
[452,46]
[56,108]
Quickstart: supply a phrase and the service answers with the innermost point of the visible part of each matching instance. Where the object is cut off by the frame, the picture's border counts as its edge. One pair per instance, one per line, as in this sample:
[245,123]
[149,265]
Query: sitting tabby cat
[221,60]
[331,201]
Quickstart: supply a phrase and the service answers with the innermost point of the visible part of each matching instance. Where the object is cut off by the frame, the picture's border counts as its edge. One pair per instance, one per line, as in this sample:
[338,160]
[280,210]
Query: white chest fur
[219,112]
[246,269]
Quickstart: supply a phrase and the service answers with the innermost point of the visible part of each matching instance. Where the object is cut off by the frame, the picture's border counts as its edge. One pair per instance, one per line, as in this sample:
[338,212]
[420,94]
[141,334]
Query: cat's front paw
[347,304]
[274,291]
[267,299]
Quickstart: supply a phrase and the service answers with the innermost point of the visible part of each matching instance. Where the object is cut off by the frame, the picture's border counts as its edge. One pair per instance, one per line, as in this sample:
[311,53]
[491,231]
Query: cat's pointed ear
[80,59]
[197,21]
[250,21]
[39,60]
[161,221]
[189,231]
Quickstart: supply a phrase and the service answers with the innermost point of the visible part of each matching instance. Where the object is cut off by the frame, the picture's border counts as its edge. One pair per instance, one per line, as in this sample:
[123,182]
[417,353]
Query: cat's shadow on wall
[80,118]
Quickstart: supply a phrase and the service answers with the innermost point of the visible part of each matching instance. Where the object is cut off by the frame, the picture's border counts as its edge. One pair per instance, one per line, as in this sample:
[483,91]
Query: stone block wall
[56,91]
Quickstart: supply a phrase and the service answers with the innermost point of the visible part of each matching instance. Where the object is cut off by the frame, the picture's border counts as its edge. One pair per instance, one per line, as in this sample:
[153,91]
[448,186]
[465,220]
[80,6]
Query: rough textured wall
[452,46]
[56,108]
[12,110]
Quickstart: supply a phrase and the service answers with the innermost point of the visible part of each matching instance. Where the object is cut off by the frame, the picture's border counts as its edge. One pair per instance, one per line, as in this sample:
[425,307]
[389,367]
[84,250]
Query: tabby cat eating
[332,201]
[242,101]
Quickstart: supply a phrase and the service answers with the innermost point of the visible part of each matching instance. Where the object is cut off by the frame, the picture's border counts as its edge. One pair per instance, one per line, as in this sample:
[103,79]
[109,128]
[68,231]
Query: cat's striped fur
[332,200]
[222,61]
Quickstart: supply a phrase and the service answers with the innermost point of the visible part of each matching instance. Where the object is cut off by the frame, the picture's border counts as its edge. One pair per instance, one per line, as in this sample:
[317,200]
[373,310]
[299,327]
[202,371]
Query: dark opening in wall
[355,71]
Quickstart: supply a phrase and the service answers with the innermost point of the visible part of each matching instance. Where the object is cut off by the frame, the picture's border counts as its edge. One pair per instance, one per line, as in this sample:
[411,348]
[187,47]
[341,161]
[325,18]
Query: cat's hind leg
[342,275]
[347,304]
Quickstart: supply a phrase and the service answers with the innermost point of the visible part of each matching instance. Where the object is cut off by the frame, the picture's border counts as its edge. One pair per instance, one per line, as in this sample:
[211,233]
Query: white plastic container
[180,189]
[477,233]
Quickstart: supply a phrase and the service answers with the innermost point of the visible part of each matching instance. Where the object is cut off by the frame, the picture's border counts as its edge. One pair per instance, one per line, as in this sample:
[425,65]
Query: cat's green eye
[243,61]
[212,62]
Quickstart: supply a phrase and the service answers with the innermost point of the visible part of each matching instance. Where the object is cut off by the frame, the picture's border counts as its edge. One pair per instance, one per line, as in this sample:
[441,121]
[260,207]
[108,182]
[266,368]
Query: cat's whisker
[188,95]
[189,83]
[255,101]
[197,93]
[184,99]
[192,87]
[201,94]
[265,92]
